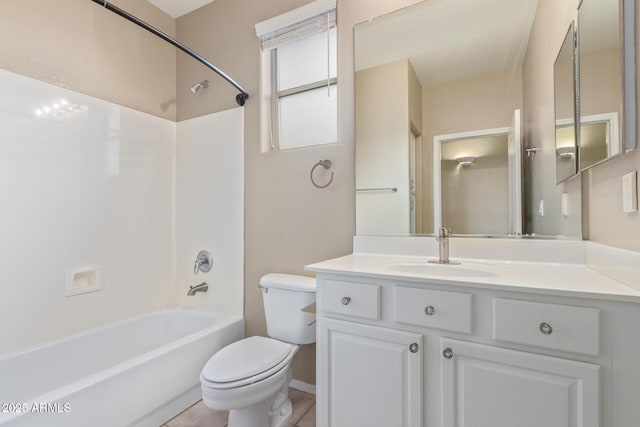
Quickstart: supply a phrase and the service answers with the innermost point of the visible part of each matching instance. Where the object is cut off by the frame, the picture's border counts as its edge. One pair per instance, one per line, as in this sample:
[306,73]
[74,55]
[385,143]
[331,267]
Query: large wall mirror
[454,103]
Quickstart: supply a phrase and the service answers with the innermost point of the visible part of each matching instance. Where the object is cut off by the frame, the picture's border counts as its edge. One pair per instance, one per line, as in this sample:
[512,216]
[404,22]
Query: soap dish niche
[83,280]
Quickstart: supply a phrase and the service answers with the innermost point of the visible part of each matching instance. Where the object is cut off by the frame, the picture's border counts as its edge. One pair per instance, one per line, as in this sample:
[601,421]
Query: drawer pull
[345,300]
[413,348]
[429,310]
[546,328]
[447,353]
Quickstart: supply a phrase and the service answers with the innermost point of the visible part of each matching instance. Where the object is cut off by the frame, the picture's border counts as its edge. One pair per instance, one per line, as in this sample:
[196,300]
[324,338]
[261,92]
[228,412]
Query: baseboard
[299,385]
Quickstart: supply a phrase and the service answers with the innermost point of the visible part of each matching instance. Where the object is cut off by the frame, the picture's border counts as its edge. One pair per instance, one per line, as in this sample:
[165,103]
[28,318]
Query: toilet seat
[245,362]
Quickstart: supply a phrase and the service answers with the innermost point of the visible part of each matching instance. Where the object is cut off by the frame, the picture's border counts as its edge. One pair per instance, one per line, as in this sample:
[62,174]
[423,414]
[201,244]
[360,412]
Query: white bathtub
[138,372]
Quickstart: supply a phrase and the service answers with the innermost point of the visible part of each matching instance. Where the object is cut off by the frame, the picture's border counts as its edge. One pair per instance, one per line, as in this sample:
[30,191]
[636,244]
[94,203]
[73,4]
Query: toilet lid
[245,358]
[291,282]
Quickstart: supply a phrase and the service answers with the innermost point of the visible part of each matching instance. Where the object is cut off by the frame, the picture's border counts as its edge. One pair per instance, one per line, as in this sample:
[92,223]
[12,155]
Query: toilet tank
[285,295]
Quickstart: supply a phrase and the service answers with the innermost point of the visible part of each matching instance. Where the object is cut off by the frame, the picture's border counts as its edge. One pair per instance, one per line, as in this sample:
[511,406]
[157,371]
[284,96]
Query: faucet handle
[444,232]
[203,263]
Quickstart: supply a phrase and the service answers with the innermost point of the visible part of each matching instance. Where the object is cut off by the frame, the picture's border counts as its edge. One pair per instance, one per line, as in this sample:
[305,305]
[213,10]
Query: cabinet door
[484,386]
[368,376]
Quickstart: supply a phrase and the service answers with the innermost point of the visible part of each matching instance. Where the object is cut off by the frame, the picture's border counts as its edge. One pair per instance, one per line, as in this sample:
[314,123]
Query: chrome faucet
[194,289]
[203,262]
[443,246]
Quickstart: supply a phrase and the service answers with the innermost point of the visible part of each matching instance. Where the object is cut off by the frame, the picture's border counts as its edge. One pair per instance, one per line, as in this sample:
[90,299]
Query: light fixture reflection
[58,109]
[565,152]
[465,161]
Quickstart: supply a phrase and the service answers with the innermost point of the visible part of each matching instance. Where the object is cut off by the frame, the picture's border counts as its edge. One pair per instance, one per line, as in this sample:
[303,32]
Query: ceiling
[448,39]
[176,8]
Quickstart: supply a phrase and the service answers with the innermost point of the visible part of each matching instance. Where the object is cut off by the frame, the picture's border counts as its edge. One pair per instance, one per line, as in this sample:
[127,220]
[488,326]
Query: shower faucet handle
[203,263]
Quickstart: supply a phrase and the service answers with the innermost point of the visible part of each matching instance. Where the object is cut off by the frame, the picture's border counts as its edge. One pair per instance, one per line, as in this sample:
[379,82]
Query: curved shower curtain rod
[240,98]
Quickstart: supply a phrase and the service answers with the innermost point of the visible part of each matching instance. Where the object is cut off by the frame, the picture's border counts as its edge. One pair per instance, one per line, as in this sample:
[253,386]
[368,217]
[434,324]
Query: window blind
[308,20]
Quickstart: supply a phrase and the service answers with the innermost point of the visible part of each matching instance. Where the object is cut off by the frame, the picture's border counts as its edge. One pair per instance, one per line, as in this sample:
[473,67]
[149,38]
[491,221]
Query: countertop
[565,279]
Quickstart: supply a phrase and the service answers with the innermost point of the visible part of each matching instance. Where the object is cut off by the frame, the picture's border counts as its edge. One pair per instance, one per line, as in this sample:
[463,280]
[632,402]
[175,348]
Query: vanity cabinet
[423,353]
[495,387]
[374,376]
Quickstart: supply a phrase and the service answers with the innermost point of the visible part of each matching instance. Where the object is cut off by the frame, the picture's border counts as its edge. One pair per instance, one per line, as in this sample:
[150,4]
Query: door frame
[438,140]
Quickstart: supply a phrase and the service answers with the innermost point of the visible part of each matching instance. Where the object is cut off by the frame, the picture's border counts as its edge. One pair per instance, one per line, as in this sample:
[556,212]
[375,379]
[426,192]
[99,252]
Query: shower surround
[86,183]
[83,183]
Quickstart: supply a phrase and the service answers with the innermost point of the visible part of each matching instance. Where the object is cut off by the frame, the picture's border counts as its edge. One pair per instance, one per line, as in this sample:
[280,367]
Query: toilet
[250,377]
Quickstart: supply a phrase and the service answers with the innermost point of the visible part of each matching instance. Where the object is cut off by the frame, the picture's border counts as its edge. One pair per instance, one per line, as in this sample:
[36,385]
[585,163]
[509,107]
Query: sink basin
[449,270]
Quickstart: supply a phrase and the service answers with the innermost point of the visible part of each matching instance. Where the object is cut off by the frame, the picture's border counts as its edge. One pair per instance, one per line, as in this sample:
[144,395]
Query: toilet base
[281,416]
[274,412]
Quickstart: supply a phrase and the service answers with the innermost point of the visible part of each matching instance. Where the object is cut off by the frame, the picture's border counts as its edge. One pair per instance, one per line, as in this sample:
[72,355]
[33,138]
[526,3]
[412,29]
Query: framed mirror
[604,132]
[430,75]
[564,83]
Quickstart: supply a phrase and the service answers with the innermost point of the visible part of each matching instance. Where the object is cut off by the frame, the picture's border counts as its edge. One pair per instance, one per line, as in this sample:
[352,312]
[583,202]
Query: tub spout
[194,289]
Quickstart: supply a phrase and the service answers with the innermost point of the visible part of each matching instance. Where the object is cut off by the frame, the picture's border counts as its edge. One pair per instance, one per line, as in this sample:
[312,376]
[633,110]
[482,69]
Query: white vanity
[494,342]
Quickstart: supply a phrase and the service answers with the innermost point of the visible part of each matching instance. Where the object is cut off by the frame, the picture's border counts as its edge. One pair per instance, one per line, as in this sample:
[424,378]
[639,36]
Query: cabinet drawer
[450,311]
[559,327]
[353,299]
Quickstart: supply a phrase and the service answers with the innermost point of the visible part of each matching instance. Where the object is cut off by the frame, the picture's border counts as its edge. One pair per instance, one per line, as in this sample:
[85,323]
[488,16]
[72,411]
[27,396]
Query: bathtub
[138,372]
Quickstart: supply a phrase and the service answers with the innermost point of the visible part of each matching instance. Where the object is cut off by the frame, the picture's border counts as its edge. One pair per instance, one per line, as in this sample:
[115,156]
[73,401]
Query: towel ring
[325,164]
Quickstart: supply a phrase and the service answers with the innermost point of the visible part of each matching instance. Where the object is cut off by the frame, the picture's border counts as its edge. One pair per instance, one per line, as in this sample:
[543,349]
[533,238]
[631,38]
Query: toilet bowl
[250,377]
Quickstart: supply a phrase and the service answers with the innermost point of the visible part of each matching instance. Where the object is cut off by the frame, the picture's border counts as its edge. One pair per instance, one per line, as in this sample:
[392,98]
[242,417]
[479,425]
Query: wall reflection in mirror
[564,78]
[600,81]
[434,84]
[473,171]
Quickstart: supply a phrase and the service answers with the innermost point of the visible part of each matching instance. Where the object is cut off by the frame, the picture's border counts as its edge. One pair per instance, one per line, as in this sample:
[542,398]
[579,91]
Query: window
[299,77]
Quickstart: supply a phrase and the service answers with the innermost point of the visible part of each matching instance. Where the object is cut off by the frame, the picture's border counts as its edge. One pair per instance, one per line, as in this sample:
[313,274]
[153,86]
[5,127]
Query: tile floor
[304,413]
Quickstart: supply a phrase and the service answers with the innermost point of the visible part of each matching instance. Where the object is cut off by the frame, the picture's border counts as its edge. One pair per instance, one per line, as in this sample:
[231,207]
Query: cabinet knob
[345,300]
[546,328]
[413,348]
[429,310]
[447,353]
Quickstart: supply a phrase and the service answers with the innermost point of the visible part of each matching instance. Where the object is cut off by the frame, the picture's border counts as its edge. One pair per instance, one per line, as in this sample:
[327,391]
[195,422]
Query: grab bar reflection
[392,189]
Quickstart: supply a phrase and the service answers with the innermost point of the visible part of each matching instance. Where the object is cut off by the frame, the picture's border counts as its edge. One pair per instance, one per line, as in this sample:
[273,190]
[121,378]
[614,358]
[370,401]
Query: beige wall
[80,46]
[485,101]
[606,223]
[288,222]
[602,217]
